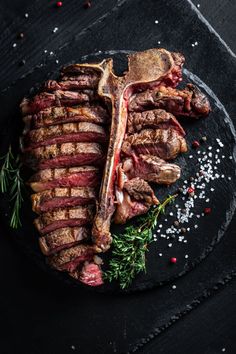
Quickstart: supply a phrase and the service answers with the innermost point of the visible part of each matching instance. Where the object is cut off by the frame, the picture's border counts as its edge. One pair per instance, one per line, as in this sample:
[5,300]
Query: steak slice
[90,274]
[79,82]
[152,169]
[58,98]
[165,143]
[189,102]
[61,198]
[65,155]
[128,209]
[63,238]
[140,190]
[59,218]
[65,177]
[157,118]
[64,133]
[70,258]
[59,115]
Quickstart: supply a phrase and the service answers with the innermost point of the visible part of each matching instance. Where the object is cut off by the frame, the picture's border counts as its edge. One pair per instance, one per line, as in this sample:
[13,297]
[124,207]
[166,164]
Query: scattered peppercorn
[195,144]
[87,4]
[20,35]
[173,260]
[183,230]
[207,210]
[191,179]
[176,223]
[59,4]
[180,190]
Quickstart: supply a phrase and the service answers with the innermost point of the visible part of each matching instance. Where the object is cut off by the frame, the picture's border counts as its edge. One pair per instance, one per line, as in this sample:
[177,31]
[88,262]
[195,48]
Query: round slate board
[203,231]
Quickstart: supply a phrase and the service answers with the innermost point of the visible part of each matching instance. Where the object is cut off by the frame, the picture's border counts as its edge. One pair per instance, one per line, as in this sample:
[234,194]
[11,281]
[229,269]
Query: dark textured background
[37,314]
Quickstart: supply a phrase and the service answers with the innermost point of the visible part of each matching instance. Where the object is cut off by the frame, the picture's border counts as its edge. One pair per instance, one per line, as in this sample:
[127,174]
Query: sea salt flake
[156,21]
[170,245]
[186,256]
[160,254]
[174,287]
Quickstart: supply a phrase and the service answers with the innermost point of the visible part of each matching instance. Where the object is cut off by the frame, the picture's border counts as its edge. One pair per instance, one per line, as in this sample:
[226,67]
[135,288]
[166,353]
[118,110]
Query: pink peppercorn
[173,260]
[207,210]
[195,144]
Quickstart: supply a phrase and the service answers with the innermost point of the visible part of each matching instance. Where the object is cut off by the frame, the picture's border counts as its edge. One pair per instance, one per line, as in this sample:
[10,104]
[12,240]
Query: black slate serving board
[176,32]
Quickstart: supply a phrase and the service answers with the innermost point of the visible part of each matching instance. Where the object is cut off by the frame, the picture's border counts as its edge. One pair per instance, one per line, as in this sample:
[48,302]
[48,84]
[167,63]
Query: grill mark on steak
[79,82]
[189,102]
[165,143]
[65,155]
[61,198]
[57,98]
[59,218]
[157,118]
[58,115]
[152,169]
[63,133]
[63,238]
[69,259]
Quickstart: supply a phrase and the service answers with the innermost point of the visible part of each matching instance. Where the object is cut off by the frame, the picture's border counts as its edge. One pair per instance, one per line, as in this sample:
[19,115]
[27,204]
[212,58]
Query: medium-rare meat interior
[95,142]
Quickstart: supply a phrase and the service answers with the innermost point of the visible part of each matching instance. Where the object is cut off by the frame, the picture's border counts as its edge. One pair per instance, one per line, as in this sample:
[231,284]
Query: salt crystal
[160,254]
[159,42]
[170,245]
[174,287]
[26,15]
[229,178]
[156,21]
[14,45]
[186,256]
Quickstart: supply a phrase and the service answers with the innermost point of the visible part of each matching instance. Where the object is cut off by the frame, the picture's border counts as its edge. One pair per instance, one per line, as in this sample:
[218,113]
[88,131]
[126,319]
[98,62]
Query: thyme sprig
[11,182]
[128,256]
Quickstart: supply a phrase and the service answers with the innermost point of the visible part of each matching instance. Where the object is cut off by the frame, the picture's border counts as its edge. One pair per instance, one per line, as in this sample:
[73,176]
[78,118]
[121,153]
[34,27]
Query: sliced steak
[90,274]
[63,238]
[62,197]
[157,118]
[79,82]
[59,115]
[65,177]
[64,133]
[69,259]
[165,143]
[57,98]
[189,102]
[152,169]
[65,155]
[128,209]
[140,190]
[59,218]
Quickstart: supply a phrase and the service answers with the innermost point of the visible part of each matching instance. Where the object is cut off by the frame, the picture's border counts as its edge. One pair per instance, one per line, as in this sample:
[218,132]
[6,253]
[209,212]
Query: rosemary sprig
[5,171]
[129,249]
[11,182]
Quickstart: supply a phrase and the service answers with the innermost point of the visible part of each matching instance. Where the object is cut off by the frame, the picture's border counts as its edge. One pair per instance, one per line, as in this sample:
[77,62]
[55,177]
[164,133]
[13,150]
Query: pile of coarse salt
[207,172]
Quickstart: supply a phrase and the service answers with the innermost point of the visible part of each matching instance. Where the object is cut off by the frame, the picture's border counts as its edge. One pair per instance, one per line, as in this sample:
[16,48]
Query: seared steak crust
[65,155]
[59,218]
[59,239]
[69,259]
[59,115]
[63,133]
[62,197]
[157,118]
[140,190]
[65,177]
[79,82]
[57,98]
[152,169]
[165,143]
[188,102]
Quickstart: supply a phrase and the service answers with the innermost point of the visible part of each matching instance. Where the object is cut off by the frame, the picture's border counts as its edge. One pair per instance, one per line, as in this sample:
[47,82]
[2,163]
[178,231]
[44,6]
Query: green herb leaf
[129,249]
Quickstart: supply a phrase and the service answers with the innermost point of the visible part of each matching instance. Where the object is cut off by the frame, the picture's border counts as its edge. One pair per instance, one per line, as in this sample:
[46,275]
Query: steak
[152,169]
[57,98]
[58,115]
[64,133]
[59,218]
[61,198]
[65,177]
[90,274]
[128,209]
[189,102]
[165,143]
[69,259]
[79,82]
[161,68]
[63,238]
[64,140]
[65,155]
[157,118]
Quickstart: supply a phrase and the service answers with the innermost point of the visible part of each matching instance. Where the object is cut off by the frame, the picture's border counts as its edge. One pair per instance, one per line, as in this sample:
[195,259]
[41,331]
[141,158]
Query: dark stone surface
[40,315]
